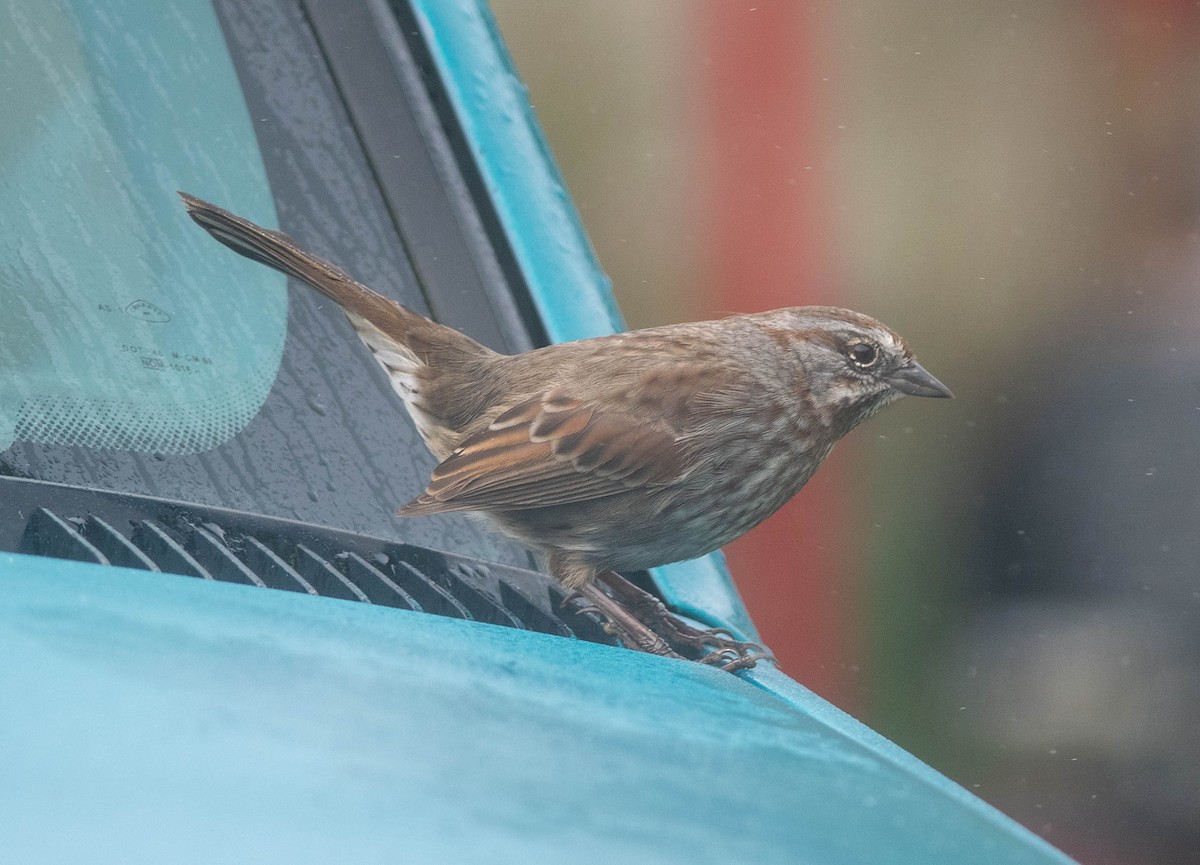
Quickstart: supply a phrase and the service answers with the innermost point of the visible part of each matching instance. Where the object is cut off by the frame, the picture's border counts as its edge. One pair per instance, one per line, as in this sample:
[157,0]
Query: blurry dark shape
[1082,634]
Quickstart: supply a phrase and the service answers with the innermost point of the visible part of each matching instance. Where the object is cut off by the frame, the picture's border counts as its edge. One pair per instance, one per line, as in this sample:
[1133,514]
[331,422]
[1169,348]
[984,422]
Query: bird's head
[848,364]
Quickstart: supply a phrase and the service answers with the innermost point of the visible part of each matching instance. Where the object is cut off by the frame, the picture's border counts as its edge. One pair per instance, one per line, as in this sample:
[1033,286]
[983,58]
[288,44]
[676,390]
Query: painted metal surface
[154,718]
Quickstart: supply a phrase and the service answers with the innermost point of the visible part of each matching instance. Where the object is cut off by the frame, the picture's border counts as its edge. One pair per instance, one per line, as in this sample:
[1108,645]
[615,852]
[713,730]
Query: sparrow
[621,452]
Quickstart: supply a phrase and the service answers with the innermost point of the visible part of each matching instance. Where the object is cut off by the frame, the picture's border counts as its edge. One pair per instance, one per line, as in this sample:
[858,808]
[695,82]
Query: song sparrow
[621,452]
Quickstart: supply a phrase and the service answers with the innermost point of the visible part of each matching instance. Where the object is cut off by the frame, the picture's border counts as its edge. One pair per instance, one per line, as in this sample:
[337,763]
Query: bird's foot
[620,622]
[716,647]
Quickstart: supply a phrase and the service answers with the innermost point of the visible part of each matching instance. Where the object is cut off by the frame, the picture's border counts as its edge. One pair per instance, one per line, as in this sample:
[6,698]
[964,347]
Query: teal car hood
[154,718]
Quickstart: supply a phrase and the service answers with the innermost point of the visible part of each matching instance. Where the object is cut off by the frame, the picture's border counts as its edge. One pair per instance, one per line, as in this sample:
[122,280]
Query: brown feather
[551,450]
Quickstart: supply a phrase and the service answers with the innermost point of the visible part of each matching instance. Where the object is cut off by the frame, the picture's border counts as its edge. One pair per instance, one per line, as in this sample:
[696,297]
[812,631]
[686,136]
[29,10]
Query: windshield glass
[138,355]
[125,331]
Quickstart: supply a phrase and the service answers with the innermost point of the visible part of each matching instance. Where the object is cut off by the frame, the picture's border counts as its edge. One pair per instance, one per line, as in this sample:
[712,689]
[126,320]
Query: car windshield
[141,357]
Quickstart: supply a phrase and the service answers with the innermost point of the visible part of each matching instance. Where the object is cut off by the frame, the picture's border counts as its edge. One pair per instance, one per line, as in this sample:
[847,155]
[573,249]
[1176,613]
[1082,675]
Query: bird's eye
[863,354]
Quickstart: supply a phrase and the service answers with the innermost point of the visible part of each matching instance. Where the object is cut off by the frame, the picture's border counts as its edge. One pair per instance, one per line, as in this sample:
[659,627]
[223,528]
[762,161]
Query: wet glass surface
[331,444]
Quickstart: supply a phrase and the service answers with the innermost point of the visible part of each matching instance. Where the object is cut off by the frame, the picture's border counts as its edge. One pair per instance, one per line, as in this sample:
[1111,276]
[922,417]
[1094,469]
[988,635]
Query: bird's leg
[721,648]
[621,623]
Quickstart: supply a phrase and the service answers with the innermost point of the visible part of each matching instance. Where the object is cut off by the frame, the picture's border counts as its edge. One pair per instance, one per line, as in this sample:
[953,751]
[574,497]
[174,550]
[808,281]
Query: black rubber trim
[149,534]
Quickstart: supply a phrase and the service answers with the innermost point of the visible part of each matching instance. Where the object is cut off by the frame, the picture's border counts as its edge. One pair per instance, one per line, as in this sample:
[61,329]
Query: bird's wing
[551,450]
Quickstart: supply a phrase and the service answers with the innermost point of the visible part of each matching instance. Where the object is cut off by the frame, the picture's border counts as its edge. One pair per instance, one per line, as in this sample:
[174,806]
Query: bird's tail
[277,250]
[430,365]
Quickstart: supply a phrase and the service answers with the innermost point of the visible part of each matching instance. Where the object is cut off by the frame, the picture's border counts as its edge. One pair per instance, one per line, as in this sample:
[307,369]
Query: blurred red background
[767,242]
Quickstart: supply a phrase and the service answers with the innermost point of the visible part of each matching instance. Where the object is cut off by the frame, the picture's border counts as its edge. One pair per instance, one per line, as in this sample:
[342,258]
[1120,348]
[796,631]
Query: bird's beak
[914,380]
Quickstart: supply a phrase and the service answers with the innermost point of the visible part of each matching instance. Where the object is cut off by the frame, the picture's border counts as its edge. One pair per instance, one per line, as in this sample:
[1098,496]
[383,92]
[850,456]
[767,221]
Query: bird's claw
[616,621]
[724,661]
[716,647]
[643,623]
